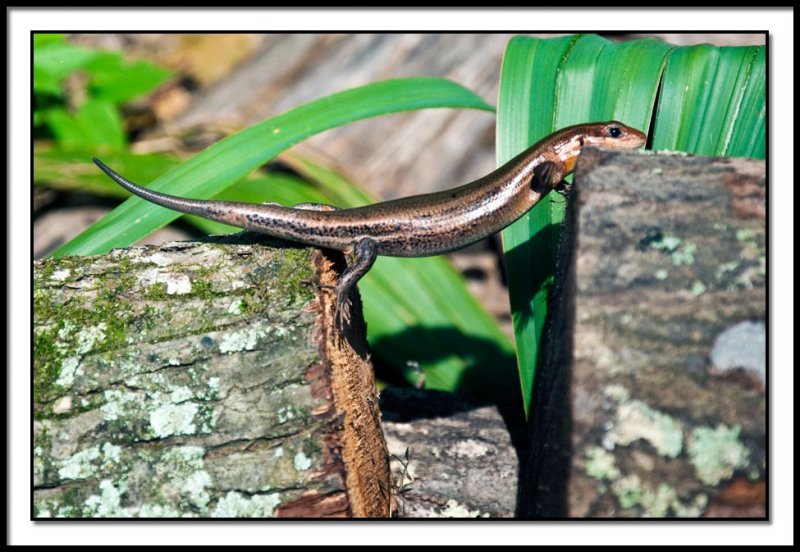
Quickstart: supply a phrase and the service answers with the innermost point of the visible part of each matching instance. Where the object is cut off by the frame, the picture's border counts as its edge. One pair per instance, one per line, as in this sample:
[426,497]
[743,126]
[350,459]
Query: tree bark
[452,455]
[202,380]
[651,393]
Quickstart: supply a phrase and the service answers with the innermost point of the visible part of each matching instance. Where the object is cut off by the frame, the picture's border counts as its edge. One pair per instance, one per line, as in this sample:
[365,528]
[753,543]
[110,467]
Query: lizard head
[612,135]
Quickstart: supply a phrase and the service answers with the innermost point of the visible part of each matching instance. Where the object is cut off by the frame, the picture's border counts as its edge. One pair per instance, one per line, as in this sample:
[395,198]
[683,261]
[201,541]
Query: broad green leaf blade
[546,85]
[67,170]
[55,59]
[712,101]
[45,82]
[113,79]
[419,311]
[748,137]
[525,110]
[97,125]
[217,167]
[40,39]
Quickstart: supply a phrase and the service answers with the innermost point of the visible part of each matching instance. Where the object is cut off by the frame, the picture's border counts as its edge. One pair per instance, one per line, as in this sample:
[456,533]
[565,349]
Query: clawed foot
[564,188]
[341,307]
[342,314]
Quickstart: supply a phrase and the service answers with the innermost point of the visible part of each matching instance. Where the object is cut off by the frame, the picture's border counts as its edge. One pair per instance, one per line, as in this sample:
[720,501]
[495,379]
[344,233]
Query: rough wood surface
[461,460]
[200,380]
[651,395]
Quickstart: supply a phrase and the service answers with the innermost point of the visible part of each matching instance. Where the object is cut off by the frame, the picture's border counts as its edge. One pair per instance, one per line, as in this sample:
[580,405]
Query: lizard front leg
[364,253]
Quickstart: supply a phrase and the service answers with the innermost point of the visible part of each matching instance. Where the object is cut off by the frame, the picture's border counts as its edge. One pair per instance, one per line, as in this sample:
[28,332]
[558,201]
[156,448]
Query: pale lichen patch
[184,469]
[108,504]
[60,275]
[245,339]
[173,419]
[177,413]
[285,414]
[213,387]
[301,461]
[746,234]
[88,338]
[698,288]
[89,462]
[80,465]
[236,505]
[70,367]
[636,420]
[717,453]
[117,403]
[685,256]
[659,502]
[111,452]
[159,259]
[455,510]
[600,464]
[616,392]
[174,284]
[667,243]
[158,511]
[470,448]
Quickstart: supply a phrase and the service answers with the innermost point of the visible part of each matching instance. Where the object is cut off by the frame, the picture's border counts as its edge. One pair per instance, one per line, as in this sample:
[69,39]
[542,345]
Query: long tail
[181,204]
[269,218]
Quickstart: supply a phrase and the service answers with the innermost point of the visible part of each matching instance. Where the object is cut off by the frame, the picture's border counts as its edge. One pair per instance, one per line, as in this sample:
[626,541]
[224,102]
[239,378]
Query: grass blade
[546,85]
[713,101]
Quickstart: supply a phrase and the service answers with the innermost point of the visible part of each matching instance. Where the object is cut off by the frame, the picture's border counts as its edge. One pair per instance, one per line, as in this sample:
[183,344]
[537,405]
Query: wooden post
[202,380]
[651,393]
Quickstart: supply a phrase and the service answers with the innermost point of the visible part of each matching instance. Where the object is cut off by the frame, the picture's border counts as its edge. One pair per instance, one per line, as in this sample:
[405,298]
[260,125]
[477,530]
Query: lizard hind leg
[365,252]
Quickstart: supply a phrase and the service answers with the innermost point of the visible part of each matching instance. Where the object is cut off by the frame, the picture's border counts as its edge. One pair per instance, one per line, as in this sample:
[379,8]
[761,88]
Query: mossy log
[202,380]
[650,397]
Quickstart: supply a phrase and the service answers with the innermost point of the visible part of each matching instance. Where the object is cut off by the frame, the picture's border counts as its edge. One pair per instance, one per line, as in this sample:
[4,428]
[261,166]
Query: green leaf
[96,125]
[114,80]
[46,82]
[56,60]
[713,101]
[41,39]
[546,85]
[68,170]
[216,168]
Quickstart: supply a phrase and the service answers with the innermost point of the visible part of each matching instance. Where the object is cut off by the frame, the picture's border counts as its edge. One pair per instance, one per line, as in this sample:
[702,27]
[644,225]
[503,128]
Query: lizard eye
[614,132]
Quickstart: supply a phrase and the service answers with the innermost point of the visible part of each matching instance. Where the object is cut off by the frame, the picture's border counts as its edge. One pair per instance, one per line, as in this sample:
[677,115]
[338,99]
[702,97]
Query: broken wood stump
[650,396]
[452,455]
[201,379]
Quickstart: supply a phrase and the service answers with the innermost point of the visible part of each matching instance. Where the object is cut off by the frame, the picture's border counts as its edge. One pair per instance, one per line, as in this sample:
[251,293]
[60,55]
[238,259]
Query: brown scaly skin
[416,226]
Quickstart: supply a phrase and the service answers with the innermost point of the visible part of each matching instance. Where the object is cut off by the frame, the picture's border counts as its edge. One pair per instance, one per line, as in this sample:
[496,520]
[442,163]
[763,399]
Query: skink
[416,226]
